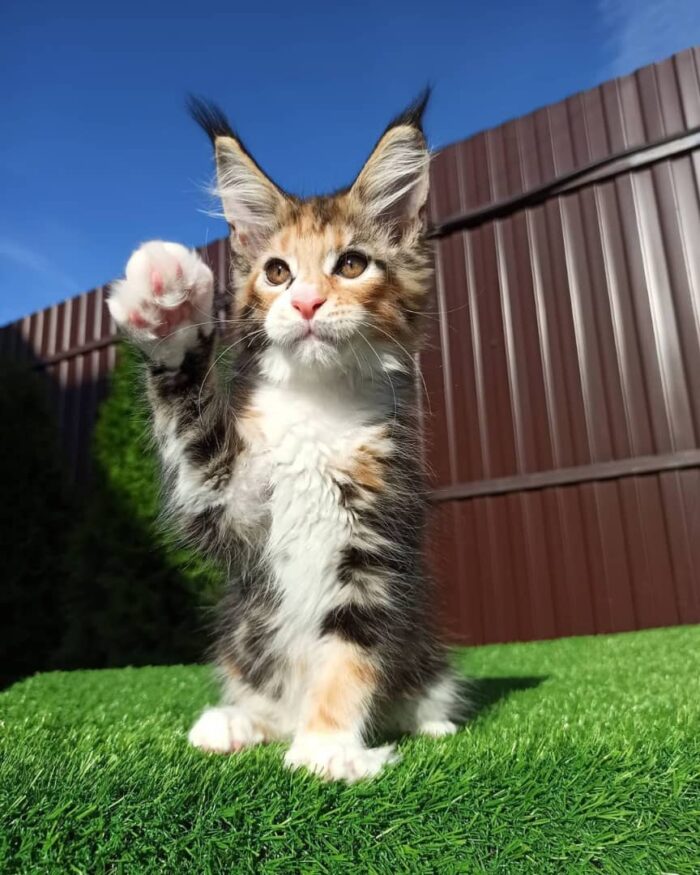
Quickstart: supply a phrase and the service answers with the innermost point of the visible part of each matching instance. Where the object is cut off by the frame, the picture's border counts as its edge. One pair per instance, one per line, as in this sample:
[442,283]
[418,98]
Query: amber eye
[351,265]
[277,271]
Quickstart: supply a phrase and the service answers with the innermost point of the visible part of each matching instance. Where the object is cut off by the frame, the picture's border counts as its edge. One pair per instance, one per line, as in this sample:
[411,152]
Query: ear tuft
[210,117]
[251,201]
[392,187]
[412,116]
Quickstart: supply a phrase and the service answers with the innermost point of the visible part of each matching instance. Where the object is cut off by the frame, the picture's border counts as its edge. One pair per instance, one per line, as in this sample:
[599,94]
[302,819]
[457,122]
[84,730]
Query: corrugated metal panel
[597,557]
[569,338]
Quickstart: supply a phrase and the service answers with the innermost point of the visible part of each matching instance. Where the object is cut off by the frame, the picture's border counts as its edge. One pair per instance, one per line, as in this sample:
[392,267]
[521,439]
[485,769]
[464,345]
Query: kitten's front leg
[165,306]
[330,740]
[226,729]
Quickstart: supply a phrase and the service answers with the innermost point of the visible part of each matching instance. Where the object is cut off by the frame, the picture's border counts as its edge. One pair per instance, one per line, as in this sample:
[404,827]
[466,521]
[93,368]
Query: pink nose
[307,301]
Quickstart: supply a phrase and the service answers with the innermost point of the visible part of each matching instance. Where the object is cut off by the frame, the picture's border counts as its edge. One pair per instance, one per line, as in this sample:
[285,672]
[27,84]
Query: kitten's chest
[303,440]
[303,448]
[287,486]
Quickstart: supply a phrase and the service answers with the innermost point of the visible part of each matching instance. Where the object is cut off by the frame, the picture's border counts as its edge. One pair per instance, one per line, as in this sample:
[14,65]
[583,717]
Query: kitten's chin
[316,347]
[310,358]
[315,351]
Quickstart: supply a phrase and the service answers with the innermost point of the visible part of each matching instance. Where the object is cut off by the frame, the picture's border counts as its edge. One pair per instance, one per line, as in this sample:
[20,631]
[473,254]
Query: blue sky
[97,153]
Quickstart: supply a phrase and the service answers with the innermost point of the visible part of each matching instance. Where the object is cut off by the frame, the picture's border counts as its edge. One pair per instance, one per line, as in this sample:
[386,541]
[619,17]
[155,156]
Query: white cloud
[30,259]
[640,32]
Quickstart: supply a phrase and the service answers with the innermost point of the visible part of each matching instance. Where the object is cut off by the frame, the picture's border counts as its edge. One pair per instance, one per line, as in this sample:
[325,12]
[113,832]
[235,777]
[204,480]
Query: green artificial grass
[584,756]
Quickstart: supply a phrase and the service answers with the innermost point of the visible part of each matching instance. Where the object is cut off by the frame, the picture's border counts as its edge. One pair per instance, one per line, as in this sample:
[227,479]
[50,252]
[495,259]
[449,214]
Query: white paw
[338,757]
[437,728]
[223,730]
[165,299]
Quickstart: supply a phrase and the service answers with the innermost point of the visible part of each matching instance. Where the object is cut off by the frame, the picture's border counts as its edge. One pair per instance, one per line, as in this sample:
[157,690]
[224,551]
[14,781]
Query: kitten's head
[326,280]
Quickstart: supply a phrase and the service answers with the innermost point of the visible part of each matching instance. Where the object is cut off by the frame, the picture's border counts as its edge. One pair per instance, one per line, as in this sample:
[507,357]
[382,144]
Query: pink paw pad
[138,320]
[157,283]
[170,319]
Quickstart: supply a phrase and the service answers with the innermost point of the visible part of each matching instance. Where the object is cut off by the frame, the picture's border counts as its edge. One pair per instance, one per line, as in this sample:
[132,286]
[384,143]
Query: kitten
[302,469]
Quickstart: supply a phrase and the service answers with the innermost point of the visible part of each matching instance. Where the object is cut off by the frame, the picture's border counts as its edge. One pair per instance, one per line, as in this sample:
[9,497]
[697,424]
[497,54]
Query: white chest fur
[304,436]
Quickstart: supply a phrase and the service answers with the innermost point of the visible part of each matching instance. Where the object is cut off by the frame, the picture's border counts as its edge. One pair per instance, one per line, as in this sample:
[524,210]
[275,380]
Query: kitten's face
[329,279]
[328,284]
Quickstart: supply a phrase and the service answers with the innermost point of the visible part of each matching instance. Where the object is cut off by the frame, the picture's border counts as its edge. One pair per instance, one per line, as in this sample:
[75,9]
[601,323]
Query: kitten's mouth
[312,338]
[313,333]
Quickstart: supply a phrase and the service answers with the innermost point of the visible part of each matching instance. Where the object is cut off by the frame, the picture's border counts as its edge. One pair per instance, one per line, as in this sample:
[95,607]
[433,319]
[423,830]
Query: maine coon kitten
[302,468]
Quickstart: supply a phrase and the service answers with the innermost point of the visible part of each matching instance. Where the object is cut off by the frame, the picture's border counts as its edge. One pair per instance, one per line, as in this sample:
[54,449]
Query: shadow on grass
[481,695]
[478,696]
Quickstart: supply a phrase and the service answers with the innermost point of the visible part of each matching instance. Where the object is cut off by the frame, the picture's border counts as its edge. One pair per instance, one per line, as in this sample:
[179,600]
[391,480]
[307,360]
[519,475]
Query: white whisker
[218,358]
[409,356]
[386,371]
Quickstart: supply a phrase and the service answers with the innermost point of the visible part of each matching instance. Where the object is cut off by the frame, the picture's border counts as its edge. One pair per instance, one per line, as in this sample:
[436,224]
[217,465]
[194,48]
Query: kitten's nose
[306,300]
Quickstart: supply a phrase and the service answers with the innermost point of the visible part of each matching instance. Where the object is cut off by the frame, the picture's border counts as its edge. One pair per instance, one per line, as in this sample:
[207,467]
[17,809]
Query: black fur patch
[413,114]
[360,625]
[255,659]
[174,383]
[349,493]
[203,528]
[208,443]
[245,626]
[355,562]
[210,118]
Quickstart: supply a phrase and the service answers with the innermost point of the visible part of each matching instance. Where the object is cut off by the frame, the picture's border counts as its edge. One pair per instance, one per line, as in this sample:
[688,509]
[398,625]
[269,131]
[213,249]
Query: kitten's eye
[351,265]
[277,271]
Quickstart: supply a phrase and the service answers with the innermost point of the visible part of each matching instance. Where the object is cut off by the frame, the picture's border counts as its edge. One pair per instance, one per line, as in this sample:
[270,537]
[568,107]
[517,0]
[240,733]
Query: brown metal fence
[72,345]
[563,369]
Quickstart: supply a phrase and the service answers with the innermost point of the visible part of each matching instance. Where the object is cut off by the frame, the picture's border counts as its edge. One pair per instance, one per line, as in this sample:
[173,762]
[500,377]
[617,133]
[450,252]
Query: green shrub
[133,596]
[35,513]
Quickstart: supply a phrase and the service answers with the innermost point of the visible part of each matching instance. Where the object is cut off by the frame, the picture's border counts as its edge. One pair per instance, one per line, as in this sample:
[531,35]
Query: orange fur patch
[343,690]
[367,469]
[365,466]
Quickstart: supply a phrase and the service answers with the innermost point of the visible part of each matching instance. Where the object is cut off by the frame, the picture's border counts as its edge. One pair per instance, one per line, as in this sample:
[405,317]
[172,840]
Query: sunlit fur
[300,465]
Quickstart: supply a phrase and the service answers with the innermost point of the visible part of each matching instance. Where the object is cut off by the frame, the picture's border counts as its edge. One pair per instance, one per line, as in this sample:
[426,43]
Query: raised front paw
[165,300]
[337,757]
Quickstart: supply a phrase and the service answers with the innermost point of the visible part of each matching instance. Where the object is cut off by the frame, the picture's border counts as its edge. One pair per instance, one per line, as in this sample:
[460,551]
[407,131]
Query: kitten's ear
[251,201]
[393,184]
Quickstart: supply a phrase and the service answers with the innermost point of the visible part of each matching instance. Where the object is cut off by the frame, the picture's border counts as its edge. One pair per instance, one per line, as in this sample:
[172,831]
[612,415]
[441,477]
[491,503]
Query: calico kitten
[302,468]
